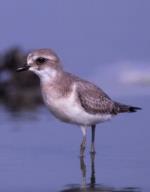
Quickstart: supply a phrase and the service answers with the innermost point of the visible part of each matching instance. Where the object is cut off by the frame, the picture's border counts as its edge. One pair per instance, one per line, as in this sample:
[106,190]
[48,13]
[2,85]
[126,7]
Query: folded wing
[94,100]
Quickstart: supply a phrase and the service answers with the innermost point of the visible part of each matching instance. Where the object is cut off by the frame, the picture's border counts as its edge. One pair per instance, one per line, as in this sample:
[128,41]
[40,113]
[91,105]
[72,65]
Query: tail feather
[126,108]
[134,109]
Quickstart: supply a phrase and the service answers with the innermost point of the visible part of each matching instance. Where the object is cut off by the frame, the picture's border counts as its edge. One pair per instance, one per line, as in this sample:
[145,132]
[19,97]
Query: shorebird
[70,98]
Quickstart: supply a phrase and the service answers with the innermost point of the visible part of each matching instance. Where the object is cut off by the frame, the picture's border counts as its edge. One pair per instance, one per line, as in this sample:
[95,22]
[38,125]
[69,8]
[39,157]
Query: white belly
[69,110]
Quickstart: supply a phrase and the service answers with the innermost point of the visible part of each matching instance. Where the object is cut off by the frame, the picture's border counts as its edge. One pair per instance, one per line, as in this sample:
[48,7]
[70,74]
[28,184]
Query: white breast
[69,110]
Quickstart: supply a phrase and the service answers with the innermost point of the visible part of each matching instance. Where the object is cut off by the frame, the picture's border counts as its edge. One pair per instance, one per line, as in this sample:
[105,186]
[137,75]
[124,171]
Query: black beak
[24,68]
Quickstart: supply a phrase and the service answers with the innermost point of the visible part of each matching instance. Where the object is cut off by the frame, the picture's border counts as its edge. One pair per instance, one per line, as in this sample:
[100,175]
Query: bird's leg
[83,144]
[83,171]
[82,147]
[93,139]
[93,178]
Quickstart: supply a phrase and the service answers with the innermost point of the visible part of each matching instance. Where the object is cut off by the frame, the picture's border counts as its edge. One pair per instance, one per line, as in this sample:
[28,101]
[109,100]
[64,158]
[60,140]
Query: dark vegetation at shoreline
[18,91]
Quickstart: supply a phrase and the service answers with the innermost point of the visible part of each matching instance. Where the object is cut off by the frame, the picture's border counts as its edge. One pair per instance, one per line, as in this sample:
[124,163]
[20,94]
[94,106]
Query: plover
[70,98]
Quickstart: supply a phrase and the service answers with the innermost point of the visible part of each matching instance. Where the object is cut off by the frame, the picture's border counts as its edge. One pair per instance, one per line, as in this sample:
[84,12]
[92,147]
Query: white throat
[46,74]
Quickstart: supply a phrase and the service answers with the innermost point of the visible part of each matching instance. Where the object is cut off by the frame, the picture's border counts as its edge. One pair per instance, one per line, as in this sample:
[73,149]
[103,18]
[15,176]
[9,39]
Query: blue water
[38,153]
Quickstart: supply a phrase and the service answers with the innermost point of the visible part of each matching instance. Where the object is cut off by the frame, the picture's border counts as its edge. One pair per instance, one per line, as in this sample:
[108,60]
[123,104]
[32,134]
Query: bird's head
[43,62]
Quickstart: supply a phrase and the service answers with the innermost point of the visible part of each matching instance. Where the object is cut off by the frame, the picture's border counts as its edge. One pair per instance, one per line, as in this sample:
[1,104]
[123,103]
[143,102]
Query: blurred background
[106,42]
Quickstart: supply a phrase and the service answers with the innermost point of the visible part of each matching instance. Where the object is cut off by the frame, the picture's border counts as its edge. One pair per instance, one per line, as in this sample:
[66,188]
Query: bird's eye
[41,60]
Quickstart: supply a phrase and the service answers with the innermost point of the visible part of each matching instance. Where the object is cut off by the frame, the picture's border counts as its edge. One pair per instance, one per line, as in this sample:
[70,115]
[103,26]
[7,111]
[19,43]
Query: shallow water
[38,153]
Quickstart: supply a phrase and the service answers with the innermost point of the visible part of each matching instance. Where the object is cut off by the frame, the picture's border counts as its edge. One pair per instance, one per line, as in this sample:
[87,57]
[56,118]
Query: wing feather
[94,100]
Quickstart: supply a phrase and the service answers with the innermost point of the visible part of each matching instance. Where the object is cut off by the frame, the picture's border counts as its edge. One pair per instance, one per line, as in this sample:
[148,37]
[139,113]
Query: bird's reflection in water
[92,186]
